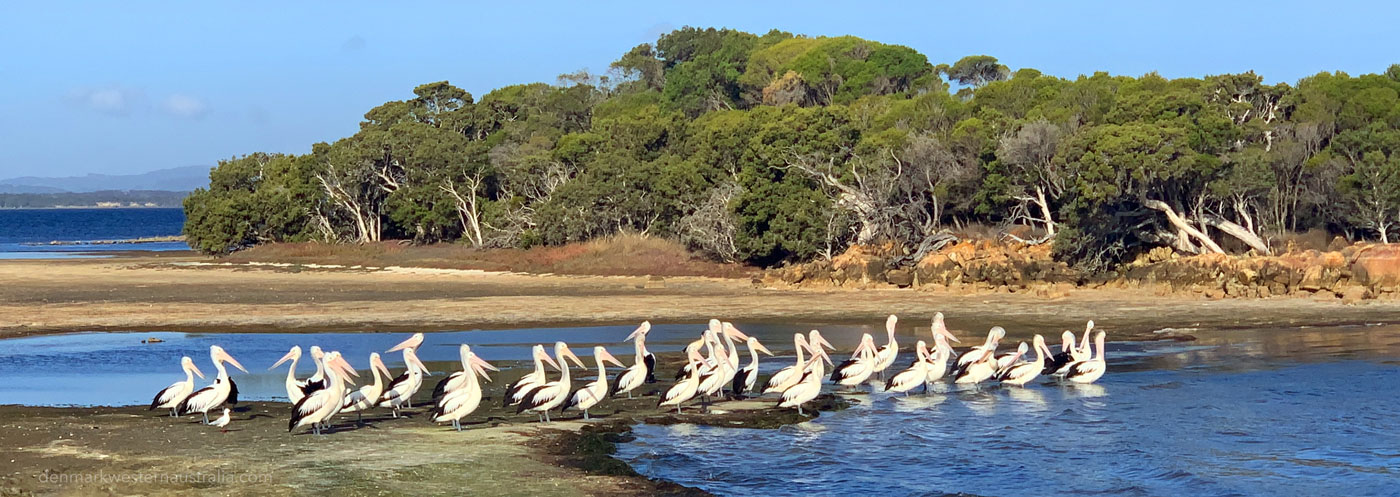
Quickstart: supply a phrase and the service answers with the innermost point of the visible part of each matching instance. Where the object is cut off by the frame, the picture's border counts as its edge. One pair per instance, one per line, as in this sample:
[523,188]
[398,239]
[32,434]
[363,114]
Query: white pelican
[594,391]
[1091,370]
[987,349]
[223,389]
[748,377]
[984,362]
[316,381]
[295,388]
[860,367]
[1020,374]
[318,408]
[170,397]
[915,375]
[884,357]
[543,398]
[809,386]
[1010,358]
[715,327]
[938,357]
[223,421]
[461,394]
[1058,361]
[362,399]
[515,392]
[642,367]
[714,372]
[731,370]
[788,376]
[399,394]
[686,388]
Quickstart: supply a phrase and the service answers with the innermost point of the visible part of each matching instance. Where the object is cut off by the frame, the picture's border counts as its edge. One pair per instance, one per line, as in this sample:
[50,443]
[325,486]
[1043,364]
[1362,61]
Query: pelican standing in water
[748,377]
[809,386]
[686,388]
[915,375]
[642,368]
[884,357]
[515,392]
[1057,362]
[223,389]
[986,350]
[984,363]
[1091,370]
[548,396]
[788,376]
[715,327]
[460,392]
[399,394]
[860,367]
[366,397]
[170,397]
[1008,359]
[318,408]
[296,389]
[938,357]
[593,392]
[1020,374]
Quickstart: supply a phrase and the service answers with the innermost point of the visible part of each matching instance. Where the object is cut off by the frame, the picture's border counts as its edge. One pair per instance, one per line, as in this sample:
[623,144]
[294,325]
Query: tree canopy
[780,147]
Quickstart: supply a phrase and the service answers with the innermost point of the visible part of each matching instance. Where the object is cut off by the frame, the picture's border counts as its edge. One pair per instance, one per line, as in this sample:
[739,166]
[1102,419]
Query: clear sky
[125,87]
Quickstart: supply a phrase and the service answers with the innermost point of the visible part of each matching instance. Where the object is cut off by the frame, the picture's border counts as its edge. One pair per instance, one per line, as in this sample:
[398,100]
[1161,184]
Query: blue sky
[124,87]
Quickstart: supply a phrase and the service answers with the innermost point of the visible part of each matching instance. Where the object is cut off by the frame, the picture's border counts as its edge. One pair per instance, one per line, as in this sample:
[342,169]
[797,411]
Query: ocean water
[26,233]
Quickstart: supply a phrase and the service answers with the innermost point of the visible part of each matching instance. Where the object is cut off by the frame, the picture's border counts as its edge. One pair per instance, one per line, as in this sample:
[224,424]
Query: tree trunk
[1240,232]
[1045,211]
[1183,225]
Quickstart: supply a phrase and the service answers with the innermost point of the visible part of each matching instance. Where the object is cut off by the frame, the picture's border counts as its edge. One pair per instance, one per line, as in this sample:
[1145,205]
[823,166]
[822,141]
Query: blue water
[1241,413]
[25,233]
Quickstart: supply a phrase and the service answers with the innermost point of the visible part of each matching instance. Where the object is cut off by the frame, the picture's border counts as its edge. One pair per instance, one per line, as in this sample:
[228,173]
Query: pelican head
[732,332]
[411,343]
[640,332]
[814,337]
[561,349]
[603,356]
[292,355]
[472,363]
[889,325]
[996,334]
[411,361]
[539,354]
[1067,341]
[335,362]
[188,365]
[217,354]
[753,344]
[377,364]
[317,353]
[940,328]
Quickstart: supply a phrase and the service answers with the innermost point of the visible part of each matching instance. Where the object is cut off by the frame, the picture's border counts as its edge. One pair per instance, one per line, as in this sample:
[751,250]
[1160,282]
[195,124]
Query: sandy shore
[164,293]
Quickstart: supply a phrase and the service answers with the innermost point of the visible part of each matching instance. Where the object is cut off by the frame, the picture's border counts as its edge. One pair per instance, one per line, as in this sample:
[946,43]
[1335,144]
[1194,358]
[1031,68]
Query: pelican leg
[546,416]
[360,418]
[629,395]
[396,412]
[585,414]
[206,417]
[799,410]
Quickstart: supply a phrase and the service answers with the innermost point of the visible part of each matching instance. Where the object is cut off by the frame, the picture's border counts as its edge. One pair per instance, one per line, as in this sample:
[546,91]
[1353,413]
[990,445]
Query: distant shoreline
[144,239]
[76,207]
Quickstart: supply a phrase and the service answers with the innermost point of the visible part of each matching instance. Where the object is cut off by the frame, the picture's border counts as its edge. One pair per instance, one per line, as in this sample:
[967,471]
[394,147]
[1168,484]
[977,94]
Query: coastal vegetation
[105,198]
[779,148]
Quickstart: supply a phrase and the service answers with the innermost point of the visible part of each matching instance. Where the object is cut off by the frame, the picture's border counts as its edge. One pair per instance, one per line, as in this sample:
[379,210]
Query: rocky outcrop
[1352,273]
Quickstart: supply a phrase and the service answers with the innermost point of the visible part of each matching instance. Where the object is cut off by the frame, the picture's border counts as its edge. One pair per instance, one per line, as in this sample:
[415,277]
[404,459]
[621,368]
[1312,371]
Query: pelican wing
[167,394]
[199,401]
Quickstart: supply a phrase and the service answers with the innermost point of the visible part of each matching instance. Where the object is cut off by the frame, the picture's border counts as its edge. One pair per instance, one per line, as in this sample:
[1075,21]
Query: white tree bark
[1240,232]
[1182,225]
[468,210]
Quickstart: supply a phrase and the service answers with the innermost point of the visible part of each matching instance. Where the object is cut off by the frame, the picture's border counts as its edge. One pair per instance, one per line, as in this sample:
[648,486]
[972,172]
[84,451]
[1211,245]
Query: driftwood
[930,244]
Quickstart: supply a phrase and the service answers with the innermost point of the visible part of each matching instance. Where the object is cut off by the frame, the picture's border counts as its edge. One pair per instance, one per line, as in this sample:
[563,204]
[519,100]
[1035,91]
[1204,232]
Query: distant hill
[104,198]
[178,179]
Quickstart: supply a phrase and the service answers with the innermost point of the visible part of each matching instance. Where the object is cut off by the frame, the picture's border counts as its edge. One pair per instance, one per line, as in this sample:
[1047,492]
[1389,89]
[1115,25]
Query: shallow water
[1298,412]
[26,233]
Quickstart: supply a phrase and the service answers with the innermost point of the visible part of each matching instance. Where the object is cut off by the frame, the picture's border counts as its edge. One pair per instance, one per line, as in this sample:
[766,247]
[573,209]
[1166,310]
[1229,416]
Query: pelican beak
[223,356]
[759,347]
[196,371]
[640,331]
[820,341]
[732,332]
[344,367]
[411,343]
[822,352]
[606,356]
[378,363]
[480,366]
[570,354]
[414,362]
[541,355]
[285,358]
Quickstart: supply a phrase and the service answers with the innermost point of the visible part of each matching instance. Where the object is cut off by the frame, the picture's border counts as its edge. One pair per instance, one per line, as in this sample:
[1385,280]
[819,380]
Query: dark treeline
[775,148]
[155,198]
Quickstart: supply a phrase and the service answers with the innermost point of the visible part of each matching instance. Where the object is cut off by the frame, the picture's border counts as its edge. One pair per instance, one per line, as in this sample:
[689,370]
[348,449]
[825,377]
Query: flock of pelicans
[331,391]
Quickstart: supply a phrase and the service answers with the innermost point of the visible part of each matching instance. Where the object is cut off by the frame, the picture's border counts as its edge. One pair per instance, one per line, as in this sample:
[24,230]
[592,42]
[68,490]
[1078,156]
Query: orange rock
[1377,266]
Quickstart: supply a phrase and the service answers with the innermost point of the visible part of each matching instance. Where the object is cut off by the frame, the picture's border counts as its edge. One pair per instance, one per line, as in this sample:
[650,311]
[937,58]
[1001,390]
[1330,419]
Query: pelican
[399,394]
[170,397]
[1010,358]
[884,357]
[712,374]
[715,327]
[461,394]
[223,389]
[860,367]
[316,381]
[295,388]
[360,400]
[987,349]
[748,377]
[543,398]
[788,376]
[222,422]
[731,370]
[642,367]
[1023,373]
[938,357]
[515,392]
[984,362]
[686,388]
[318,408]
[1091,370]
[593,392]
[809,386]
[915,375]
[1056,363]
